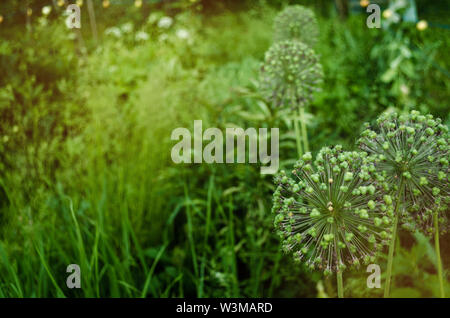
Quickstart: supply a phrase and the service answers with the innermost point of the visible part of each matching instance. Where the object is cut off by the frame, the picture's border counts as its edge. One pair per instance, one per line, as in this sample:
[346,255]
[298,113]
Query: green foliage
[85,169]
[413,271]
[38,107]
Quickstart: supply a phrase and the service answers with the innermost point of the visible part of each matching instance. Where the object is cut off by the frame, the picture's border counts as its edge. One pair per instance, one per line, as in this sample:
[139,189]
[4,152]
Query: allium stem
[390,258]
[340,284]
[298,139]
[438,253]
[304,132]
[392,243]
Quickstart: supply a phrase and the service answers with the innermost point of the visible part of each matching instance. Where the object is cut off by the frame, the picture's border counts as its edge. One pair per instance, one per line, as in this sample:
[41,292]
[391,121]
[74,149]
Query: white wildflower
[127,27]
[165,22]
[183,34]
[163,38]
[46,10]
[114,31]
[142,36]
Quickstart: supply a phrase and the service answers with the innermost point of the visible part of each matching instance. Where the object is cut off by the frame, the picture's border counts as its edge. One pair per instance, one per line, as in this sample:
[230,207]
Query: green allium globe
[330,215]
[290,74]
[413,155]
[296,23]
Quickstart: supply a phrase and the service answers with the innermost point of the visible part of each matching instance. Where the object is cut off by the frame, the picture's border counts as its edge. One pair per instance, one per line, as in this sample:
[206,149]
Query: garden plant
[329,214]
[290,75]
[413,161]
[292,70]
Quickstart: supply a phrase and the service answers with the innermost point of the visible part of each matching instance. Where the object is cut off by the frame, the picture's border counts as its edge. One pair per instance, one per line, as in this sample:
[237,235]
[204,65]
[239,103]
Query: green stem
[296,127]
[390,258]
[304,131]
[438,253]
[298,139]
[340,284]
[92,20]
[392,244]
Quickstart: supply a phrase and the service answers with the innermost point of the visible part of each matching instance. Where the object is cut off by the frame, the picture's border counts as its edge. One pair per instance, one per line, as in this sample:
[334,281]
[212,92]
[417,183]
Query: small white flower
[127,27]
[142,36]
[46,10]
[165,22]
[404,89]
[163,38]
[153,18]
[390,17]
[42,21]
[114,31]
[183,34]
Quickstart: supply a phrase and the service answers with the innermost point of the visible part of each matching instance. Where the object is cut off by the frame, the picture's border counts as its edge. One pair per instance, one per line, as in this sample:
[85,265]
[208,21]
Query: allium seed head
[331,225]
[291,73]
[413,152]
[296,23]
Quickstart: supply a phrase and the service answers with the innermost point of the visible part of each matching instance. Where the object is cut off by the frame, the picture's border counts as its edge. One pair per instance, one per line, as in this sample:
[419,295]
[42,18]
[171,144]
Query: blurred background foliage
[85,169]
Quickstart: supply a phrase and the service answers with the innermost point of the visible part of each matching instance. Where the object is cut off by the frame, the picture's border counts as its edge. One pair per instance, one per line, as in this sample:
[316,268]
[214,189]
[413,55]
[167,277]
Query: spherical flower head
[290,74]
[329,214]
[412,155]
[296,23]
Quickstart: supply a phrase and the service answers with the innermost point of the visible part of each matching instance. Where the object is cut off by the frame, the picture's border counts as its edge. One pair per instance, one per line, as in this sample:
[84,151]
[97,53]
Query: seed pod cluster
[296,23]
[412,154]
[330,214]
[290,74]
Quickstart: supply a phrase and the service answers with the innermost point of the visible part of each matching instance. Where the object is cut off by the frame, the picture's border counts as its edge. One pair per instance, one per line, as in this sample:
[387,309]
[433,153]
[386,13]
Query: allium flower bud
[290,74]
[325,226]
[413,153]
[296,23]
